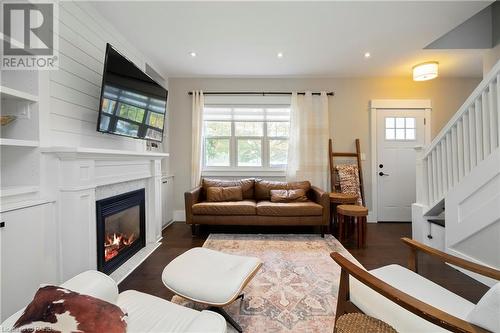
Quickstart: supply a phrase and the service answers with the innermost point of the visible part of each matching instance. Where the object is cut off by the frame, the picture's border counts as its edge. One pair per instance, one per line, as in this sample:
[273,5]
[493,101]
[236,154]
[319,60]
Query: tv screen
[132,103]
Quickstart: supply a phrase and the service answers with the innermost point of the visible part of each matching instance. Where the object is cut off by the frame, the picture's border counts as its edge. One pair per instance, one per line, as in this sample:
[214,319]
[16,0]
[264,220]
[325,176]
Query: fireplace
[120,229]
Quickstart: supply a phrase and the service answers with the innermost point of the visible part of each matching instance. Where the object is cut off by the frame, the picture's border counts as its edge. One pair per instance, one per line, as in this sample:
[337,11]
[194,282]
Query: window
[400,128]
[245,137]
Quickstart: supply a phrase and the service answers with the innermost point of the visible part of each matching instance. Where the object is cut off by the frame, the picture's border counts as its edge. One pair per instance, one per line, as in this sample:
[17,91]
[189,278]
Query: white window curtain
[197,139]
[309,132]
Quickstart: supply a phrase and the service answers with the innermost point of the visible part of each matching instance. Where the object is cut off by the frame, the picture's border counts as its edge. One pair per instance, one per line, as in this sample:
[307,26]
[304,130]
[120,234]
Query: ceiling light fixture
[192,54]
[425,71]
[367,55]
[280,55]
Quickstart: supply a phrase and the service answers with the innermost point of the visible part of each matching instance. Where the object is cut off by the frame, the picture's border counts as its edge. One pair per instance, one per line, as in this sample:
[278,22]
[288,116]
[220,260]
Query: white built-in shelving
[20,160]
[10,93]
[19,143]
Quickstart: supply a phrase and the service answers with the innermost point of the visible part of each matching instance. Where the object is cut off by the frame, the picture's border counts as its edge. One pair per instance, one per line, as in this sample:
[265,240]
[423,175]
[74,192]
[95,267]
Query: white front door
[398,133]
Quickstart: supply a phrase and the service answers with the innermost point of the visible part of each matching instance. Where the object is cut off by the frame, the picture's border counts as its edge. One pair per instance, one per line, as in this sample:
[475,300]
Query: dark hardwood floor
[383,248]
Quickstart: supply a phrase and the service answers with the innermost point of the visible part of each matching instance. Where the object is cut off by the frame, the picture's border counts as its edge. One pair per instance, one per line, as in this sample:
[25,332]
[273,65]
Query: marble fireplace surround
[79,177]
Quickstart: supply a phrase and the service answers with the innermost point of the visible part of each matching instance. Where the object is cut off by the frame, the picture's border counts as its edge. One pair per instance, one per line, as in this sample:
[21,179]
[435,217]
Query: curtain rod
[259,93]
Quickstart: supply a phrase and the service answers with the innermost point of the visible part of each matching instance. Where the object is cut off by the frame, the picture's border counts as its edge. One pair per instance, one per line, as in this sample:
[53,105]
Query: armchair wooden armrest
[415,247]
[419,308]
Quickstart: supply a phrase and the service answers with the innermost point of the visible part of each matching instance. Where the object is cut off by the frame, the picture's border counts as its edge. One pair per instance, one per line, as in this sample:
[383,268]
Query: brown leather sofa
[256,207]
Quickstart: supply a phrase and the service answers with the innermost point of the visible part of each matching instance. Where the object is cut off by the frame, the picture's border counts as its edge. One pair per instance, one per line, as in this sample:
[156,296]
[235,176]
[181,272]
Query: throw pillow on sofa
[246,185]
[58,309]
[263,187]
[298,195]
[218,194]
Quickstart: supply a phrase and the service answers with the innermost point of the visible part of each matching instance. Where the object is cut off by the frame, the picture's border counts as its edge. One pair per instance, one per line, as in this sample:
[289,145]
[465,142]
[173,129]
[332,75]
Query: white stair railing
[470,136]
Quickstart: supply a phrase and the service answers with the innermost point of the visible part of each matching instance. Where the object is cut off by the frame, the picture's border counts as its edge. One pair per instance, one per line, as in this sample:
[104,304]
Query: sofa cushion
[263,187]
[245,207]
[147,313]
[298,195]
[268,208]
[247,185]
[376,305]
[230,193]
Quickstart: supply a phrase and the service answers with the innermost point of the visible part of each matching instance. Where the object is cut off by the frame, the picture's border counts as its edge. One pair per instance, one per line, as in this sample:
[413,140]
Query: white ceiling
[323,39]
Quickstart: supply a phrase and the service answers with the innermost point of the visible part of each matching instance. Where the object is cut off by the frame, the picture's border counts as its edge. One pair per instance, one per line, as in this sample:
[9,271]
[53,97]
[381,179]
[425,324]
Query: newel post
[421,177]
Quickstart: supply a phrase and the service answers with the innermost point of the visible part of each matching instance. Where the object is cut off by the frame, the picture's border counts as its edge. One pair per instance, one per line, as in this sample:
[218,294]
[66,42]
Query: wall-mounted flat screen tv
[132,103]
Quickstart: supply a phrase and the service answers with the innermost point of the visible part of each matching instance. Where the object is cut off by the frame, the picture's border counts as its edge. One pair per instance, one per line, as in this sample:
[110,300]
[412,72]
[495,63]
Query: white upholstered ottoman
[210,277]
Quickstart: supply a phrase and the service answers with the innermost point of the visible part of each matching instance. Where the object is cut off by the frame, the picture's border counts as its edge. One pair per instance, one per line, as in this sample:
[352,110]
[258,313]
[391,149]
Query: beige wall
[490,58]
[349,110]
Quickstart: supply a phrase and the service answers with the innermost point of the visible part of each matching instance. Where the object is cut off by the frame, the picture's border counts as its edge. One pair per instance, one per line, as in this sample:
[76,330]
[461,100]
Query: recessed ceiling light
[192,54]
[280,55]
[367,55]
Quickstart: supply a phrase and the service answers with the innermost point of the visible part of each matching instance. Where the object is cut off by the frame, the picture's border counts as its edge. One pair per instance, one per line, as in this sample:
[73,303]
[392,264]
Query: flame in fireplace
[115,243]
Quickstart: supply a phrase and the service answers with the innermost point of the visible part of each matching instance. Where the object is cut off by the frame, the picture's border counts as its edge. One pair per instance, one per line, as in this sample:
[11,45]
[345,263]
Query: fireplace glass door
[120,229]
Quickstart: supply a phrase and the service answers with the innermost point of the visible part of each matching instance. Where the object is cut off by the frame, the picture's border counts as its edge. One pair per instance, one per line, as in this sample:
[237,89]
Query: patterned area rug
[296,288]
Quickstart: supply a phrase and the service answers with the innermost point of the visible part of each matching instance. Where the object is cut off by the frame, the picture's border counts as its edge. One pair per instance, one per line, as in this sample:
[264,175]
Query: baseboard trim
[371,218]
[180,215]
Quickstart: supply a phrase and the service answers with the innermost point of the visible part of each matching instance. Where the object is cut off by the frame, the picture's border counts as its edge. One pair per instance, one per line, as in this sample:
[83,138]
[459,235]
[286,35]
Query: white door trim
[386,104]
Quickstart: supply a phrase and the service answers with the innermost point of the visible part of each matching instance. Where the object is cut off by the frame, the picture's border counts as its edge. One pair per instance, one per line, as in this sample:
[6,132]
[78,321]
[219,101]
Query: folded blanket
[348,176]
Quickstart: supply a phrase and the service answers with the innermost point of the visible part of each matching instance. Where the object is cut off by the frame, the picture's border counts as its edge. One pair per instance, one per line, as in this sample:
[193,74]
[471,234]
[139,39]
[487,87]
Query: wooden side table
[359,322]
[338,198]
[359,214]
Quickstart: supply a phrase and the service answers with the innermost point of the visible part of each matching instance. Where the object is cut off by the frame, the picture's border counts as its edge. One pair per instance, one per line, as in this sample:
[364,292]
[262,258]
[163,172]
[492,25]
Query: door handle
[383,174]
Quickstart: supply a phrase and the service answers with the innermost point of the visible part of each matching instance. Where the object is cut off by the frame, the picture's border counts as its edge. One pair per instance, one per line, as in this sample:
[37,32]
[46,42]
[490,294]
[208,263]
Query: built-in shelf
[9,93]
[19,143]
[9,191]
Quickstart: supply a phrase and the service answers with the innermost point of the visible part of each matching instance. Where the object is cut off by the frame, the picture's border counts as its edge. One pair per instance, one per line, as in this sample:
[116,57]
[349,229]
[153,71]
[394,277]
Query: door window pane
[278,128]
[249,152]
[400,122]
[217,128]
[217,152]
[410,134]
[249,128]
[389,122]
[410,122]
[278,152]
[400,133]
[389,134]
[400,128]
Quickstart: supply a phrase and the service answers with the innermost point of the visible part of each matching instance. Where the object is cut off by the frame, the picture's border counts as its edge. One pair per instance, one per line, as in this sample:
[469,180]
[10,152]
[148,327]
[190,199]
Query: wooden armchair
[370,291]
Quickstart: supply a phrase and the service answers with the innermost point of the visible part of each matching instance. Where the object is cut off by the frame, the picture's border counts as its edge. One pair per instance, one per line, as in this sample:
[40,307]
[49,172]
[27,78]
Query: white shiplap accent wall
[75,87]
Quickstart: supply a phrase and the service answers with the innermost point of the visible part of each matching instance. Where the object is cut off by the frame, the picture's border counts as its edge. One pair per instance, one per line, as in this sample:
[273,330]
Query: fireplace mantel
[94,153]
[75,175]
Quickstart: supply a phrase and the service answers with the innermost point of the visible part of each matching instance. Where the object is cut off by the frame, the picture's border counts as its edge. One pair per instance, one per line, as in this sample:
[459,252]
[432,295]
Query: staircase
[458,178]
